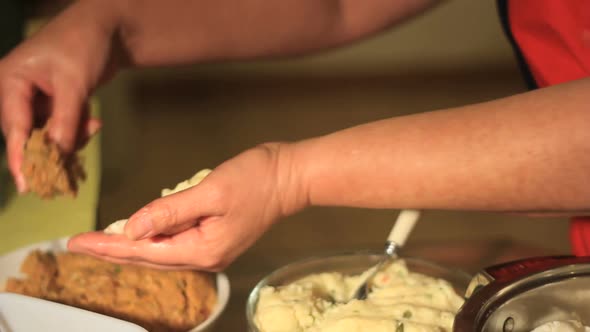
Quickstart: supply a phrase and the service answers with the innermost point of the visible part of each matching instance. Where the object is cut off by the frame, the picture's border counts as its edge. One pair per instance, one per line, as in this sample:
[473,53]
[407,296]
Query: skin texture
[48,78]
[527,154]
[140,33]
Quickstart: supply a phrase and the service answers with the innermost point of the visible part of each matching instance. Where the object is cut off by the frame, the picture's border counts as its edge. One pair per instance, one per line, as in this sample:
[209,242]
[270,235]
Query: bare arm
[89,41]
[525,153]
[181,31]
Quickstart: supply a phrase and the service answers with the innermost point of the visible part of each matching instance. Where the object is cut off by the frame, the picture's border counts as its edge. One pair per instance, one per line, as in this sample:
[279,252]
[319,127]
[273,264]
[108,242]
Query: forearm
[529,152]
[184,31]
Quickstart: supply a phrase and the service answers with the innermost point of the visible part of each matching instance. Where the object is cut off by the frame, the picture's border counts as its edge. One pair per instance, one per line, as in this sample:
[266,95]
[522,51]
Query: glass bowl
[348,263]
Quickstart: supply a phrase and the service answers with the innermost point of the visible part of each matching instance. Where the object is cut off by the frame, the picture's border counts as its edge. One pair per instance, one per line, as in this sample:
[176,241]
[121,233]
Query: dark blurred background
[11,29]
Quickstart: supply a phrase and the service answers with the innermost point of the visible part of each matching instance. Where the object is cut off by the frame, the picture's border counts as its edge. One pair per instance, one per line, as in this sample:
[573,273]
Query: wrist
[105,15]
[109,17]
[290,180]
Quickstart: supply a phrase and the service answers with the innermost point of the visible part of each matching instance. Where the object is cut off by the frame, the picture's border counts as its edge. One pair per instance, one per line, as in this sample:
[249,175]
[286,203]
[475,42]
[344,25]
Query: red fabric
[554,39]
[580,236]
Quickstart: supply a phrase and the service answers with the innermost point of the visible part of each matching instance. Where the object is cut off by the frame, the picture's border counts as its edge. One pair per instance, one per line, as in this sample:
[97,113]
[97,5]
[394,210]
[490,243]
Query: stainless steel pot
[522,295]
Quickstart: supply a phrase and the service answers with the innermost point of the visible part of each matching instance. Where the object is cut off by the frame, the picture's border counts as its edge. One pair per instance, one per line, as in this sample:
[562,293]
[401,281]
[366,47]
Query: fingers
[170,252]
[143,263]
[66,117]
[89,129]
[92,127]
[174,213]
[16,119]
[15,143]
[17,116]
[163,234]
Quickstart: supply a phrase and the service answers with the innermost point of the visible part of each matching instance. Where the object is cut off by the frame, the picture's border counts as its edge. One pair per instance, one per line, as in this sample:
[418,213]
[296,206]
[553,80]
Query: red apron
[553,38]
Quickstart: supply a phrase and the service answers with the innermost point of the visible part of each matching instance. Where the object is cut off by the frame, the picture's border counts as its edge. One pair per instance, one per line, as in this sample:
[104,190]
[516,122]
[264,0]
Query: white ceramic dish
[10,265]
[20,313]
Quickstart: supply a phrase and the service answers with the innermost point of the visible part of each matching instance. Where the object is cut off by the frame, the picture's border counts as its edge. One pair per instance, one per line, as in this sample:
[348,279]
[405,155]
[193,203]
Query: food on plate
[159,301]
[118,227]
[399,300]
[48,172]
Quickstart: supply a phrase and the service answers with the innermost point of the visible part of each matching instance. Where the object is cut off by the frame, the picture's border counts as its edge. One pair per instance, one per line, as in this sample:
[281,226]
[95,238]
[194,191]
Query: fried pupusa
[159,301]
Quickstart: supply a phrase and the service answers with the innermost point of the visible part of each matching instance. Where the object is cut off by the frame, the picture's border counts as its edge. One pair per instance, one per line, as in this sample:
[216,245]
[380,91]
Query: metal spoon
[397,238]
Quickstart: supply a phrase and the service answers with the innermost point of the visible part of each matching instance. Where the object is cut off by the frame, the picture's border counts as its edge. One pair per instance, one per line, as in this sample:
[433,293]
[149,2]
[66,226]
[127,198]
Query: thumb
[172,214]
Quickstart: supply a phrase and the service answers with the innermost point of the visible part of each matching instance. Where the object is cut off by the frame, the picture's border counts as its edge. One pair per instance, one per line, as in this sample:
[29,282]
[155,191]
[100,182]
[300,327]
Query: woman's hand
[207,226]
[49,78]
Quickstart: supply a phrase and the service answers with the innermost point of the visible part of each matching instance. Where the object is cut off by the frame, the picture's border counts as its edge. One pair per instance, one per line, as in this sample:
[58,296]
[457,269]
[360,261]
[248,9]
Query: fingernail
[139,226]
[93,127]
[78,245]
[73,245]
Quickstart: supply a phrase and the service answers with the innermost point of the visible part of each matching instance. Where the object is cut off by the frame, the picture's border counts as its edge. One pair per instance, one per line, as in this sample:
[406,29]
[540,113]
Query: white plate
[19,313]
[10,265]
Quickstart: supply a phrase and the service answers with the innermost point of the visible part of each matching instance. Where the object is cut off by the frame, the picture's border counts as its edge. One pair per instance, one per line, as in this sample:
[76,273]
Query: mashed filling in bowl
[399,301]
[562,326]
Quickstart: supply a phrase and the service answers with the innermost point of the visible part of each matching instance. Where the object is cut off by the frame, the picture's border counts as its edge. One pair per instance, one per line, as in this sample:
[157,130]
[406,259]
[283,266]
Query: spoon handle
[403,227]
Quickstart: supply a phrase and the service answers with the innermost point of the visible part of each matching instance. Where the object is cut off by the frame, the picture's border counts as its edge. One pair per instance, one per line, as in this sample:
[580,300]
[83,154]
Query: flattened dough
[118,227]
